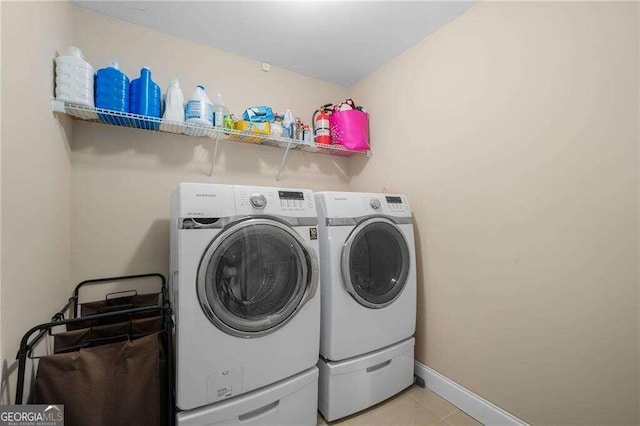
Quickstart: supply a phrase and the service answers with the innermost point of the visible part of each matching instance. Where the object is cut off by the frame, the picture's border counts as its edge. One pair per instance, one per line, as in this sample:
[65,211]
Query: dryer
[368,272]
[368,286]
[244,286]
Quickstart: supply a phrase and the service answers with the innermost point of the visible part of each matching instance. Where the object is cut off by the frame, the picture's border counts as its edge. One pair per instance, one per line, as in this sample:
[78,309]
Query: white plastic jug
[74,78]
[219,110]
[174,109]
[198,111]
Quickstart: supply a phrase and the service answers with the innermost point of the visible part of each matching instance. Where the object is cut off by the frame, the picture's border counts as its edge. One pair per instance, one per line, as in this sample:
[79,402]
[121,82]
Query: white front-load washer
[368,286]
[244,286]
[368,277]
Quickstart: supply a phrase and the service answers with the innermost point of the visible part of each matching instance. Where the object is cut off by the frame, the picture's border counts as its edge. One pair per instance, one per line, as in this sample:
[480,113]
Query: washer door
[375,263]
[255,276]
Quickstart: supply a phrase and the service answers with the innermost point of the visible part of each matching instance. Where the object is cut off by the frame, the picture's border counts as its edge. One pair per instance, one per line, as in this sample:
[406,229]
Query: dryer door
[255,276]
[375,262]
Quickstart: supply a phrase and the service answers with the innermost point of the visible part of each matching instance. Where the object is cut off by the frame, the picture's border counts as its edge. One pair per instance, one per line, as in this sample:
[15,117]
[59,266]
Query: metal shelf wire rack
[116,118]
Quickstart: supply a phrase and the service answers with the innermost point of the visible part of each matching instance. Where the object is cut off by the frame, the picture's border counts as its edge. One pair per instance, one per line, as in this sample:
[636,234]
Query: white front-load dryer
[368,286]
[368,277]
[244,286]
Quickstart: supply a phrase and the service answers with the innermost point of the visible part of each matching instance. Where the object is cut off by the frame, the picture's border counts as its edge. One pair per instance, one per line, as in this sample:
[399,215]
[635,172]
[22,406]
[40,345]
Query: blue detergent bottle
[112,93]
[145,98]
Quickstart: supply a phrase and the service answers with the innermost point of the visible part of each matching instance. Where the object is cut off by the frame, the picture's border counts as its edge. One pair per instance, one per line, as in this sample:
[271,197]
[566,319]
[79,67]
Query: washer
[368,272]
[244,286]
[368,286]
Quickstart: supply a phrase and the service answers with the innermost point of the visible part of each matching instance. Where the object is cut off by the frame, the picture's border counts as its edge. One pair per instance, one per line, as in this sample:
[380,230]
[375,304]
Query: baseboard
[472,404]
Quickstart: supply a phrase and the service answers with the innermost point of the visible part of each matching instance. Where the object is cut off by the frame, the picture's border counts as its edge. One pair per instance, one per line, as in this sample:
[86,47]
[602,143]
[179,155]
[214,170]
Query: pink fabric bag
[350,129]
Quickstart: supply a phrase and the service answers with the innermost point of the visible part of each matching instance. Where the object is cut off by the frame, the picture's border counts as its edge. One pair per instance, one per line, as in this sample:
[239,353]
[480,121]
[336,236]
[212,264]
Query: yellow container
[251,127]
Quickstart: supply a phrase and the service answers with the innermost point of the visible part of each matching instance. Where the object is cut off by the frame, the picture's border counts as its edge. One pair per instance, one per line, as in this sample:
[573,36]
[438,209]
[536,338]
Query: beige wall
[123,178]
[514,132]
[36,175]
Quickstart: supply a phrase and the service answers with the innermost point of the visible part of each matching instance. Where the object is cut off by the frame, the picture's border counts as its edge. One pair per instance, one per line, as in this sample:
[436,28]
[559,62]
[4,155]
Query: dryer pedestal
[346,387]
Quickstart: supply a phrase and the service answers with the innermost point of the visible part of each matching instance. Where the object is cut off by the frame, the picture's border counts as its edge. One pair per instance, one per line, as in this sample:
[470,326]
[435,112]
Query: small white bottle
[174,109]
[288,123]
[219,110]
[74,78]
[198,110]
[287,128]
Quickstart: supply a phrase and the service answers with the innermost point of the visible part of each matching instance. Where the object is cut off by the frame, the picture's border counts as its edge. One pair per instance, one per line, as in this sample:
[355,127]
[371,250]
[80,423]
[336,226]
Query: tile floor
[413,406]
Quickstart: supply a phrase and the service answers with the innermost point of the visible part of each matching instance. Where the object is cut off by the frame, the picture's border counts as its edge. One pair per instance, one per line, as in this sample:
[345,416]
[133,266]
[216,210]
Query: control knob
[375,203]
[258,201]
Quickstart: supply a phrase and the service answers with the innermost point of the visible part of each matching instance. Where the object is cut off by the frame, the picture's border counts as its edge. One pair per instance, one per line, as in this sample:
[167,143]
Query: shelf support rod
[215,153]
[284,158]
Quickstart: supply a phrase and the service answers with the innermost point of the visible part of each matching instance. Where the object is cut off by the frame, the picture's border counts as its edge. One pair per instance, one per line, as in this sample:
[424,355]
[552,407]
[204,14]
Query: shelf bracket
[57,106]
[215,153]
[284,158]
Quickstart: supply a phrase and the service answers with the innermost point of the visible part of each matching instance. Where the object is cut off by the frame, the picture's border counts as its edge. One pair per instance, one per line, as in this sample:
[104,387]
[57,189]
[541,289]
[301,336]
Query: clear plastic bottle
[174,109]
[288,122]
[198,110]
[219,110]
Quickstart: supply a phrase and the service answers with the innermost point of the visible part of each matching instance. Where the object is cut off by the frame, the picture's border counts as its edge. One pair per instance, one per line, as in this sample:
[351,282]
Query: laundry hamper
[112,366]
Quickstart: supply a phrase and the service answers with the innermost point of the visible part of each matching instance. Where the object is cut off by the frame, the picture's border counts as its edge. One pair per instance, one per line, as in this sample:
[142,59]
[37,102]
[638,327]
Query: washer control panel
[395,204]
[291,200]
[275,201]
[259,201]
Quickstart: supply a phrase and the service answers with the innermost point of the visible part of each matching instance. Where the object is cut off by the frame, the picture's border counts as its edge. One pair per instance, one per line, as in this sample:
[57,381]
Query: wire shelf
[116,118]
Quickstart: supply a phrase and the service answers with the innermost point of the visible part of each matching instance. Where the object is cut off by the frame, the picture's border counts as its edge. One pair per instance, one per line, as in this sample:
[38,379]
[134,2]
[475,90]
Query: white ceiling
[337,41]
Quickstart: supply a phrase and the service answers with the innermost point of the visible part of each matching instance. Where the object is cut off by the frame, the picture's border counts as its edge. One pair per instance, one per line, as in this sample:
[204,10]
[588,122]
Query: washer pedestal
[291,402]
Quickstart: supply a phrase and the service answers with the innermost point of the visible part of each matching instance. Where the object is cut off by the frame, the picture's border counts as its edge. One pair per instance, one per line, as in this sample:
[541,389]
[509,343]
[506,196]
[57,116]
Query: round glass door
[255,276]
[375,263]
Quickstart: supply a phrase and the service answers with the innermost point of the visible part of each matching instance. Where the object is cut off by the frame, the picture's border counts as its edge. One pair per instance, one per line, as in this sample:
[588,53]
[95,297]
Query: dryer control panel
[359,204]
[393,205]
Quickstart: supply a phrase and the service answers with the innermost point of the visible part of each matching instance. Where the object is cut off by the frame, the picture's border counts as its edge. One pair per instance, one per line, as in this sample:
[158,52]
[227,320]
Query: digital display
[290,195]
[394,200]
